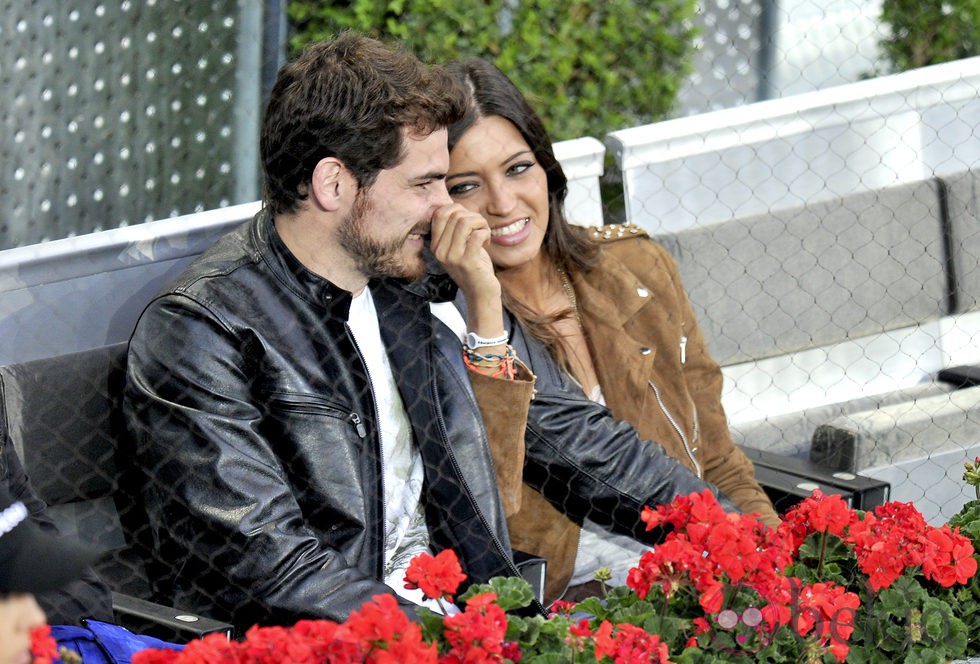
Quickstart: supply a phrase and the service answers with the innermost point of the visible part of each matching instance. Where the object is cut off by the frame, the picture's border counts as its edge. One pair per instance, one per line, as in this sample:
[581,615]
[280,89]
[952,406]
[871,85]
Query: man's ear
[330,177]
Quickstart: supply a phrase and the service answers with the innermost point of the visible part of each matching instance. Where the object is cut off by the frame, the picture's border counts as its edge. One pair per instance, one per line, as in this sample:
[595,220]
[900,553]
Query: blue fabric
[105,643]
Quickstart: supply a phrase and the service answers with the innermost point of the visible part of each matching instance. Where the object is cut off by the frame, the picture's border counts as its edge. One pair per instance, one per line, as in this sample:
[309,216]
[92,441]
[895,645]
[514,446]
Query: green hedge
[927,32]
[588,66]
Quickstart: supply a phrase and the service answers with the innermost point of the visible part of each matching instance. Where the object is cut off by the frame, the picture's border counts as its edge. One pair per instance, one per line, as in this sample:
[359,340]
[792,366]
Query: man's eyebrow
[428,177]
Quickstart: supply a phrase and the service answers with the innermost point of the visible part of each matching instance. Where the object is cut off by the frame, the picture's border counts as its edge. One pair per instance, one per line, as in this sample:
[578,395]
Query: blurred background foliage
[588,66]
[929,32]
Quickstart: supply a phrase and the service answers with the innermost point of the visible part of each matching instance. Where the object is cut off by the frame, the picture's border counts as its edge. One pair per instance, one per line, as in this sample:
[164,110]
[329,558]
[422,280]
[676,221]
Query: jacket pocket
[321,446]
[309,404]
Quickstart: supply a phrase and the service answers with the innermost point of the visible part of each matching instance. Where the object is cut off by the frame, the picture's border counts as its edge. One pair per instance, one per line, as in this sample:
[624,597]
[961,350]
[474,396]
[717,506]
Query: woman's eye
[519,168]
[461,188]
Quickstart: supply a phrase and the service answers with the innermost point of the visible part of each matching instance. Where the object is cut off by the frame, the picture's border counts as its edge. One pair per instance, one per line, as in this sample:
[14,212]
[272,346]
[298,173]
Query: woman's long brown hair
[490,92]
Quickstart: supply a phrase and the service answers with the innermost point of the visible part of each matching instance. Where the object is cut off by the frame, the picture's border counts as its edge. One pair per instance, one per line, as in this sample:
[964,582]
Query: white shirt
[405,533]
[597,547]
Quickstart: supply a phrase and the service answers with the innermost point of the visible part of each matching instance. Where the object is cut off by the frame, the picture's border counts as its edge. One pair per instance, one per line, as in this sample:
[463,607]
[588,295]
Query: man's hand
[459,240]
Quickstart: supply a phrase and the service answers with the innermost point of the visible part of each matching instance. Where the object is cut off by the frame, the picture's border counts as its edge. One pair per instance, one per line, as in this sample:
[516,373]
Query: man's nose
[441,195]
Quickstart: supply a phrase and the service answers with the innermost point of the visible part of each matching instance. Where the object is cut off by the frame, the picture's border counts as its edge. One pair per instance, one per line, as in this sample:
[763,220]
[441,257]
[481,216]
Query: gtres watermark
[891,630]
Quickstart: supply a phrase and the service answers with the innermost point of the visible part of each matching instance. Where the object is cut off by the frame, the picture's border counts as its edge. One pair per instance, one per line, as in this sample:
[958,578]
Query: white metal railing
[582,161]
[801,149]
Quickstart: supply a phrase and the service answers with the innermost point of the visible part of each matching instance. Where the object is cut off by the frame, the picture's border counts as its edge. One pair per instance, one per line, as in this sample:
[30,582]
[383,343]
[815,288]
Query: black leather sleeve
[591,465]
[217,492]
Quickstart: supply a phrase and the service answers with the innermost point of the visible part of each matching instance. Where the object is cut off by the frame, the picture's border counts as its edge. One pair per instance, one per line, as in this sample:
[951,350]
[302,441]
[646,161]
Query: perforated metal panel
[119,112]
[750,50]
[725,68]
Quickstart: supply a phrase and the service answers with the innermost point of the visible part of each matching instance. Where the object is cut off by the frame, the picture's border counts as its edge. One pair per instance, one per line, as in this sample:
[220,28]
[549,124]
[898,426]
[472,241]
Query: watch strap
[473,340]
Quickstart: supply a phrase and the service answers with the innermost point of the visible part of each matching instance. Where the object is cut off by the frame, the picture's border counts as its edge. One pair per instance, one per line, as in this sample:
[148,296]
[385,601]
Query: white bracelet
[473,340]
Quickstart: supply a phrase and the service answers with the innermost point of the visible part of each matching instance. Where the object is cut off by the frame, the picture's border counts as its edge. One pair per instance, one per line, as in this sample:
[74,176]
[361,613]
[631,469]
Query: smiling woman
[609,305]
[494,172]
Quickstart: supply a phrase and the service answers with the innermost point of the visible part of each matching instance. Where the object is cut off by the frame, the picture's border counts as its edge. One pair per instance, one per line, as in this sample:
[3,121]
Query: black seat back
[64,419]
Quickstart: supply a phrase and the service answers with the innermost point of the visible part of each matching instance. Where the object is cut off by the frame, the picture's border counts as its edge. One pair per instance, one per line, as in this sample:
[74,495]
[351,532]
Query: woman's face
[19,614]
[493,172]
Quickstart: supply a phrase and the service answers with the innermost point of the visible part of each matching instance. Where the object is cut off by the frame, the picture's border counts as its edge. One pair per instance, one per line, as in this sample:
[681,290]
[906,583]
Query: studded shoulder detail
[613,232]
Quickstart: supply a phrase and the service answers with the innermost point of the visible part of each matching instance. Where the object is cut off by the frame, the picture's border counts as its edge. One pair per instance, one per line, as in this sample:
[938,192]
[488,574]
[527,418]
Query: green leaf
[593,65]
[512,592]
[968,521]
[432,628]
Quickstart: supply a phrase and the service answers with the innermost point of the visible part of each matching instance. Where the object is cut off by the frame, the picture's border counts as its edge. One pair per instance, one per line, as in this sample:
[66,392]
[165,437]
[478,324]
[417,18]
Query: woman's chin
[514,259]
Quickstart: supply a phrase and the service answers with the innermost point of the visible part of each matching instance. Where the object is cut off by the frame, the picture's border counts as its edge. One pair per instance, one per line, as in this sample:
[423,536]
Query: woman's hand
[459,240]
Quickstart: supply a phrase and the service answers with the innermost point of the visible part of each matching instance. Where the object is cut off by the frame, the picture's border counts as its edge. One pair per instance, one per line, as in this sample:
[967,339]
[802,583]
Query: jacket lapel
[623,359]
[458,471]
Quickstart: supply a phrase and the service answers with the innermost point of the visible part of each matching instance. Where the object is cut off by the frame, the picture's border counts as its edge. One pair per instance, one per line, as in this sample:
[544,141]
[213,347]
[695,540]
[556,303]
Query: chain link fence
[825,226]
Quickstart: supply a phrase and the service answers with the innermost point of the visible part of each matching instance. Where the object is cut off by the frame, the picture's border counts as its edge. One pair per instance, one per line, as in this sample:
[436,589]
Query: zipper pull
[683,350]
[358,423]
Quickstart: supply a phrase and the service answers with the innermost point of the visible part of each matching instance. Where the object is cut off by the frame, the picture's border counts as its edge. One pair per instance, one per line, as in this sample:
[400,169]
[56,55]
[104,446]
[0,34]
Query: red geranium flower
[155,656]
[581,628]
[438,576]
[829,611]
[512,651]
[629,645]
[271,645]
[562,607]
[44,648]
[817,513]
[212,648]
[386,631]
[952,560]
[477,633]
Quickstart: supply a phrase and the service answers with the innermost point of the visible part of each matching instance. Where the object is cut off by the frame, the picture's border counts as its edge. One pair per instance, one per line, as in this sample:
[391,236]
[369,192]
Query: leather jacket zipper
[358,423]
[677,428]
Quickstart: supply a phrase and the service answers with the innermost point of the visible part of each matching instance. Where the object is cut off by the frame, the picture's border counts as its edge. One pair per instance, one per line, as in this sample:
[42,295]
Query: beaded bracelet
[492,365]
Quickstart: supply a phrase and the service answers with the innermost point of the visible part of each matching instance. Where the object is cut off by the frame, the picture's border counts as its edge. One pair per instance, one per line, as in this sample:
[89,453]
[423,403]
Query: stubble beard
[376,258]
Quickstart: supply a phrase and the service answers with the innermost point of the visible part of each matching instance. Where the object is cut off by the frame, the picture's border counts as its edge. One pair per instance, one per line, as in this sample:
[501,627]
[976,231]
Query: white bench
[919,447]
[783,153]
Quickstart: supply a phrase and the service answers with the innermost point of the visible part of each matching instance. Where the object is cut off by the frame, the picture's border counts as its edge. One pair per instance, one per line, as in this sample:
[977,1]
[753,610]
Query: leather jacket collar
[436,286]
[293,274]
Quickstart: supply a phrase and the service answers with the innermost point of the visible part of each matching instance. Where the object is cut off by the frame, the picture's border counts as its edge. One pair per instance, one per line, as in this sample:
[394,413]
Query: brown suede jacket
[657,374]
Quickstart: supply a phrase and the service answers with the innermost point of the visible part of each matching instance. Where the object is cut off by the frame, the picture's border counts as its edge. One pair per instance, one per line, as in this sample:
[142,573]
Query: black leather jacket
[255,425]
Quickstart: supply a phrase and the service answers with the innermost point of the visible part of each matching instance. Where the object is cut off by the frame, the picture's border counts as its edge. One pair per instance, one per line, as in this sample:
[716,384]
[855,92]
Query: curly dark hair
[349,98]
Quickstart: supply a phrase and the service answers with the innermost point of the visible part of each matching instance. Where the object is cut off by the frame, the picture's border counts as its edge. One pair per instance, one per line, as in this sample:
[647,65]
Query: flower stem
[823,551]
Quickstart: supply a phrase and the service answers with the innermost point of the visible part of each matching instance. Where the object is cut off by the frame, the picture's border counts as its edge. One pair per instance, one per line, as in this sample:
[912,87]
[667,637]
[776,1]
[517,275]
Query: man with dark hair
[305,420]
